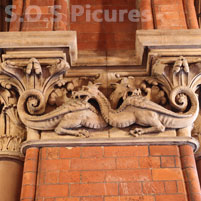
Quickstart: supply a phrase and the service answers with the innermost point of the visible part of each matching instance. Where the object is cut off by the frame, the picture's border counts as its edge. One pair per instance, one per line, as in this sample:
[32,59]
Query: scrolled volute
[33,101]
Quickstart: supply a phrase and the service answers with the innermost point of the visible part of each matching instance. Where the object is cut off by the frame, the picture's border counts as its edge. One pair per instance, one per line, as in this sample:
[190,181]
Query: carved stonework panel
[40,98]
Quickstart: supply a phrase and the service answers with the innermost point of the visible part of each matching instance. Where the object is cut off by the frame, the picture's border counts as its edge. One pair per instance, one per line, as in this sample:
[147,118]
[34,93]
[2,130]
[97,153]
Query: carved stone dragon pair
[135,109]
[88,107]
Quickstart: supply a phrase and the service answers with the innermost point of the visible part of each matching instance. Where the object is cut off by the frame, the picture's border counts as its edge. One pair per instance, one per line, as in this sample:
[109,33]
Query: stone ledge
[11,155]
[166,39]
[106,58]
[112,142]
[153,39]
[41,39]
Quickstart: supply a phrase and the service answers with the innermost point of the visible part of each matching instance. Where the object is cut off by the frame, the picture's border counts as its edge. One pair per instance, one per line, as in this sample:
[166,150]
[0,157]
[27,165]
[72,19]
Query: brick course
[110,173]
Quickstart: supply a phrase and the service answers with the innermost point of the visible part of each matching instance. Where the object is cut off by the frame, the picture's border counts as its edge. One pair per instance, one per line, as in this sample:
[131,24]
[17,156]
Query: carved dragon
[72,114]
[37,84]
[137,109]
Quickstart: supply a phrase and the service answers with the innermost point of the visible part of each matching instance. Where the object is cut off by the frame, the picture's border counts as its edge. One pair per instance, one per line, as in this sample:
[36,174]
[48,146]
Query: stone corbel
[28,60]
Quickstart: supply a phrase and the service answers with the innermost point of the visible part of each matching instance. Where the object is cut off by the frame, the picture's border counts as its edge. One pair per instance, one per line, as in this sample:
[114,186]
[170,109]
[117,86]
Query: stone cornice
[166,39]
[41,40]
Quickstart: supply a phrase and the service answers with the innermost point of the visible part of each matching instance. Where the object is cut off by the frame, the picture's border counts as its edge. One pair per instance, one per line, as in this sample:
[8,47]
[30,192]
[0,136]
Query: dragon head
[135,92]
[87,92]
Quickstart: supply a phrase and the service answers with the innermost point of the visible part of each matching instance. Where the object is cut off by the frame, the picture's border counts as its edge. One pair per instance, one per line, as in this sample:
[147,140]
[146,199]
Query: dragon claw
[136,132]
[76,133]
[84,133]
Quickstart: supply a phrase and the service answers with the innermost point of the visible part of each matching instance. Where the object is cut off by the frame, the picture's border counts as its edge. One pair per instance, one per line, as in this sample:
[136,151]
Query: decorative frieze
[43,98]
[48,100]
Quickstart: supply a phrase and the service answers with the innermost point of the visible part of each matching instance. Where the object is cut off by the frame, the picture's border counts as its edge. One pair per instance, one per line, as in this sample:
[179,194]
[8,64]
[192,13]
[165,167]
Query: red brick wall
[37,15]
[191,18]
[190,173]
[44,23]
[30,175]
[105,36]
[130,173]
[147,5]
[92,35]
[169,14]
[198,164]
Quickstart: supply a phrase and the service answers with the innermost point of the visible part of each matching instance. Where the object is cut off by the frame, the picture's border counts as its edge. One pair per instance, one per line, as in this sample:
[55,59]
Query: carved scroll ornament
[42,97]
